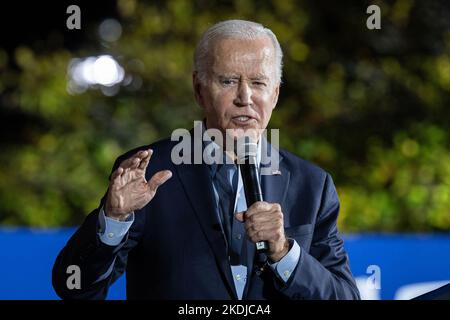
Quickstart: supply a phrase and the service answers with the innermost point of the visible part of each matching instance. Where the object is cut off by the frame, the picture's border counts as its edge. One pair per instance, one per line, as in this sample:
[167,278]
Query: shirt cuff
[285,267]
[112,231]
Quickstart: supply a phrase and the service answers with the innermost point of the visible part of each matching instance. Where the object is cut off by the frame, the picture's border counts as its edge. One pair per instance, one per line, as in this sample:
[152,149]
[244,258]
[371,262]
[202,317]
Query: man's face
[241,90]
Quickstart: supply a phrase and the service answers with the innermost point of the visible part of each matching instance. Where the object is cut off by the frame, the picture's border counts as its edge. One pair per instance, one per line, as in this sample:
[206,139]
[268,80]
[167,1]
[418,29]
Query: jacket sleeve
[93,257]
[323,272]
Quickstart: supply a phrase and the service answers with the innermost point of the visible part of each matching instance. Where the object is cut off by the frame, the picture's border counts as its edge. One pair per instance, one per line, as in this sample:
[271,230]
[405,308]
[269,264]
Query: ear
[196,83]
[275,96]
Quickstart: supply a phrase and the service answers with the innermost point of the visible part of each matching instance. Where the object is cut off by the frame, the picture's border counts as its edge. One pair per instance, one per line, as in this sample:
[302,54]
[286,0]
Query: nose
[244,95]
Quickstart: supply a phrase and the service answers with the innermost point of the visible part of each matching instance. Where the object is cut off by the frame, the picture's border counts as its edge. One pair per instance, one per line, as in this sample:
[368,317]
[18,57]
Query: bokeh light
[103,70]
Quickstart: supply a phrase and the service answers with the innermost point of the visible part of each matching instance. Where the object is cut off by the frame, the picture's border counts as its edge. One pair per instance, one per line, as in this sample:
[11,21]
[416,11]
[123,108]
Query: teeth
[243,118]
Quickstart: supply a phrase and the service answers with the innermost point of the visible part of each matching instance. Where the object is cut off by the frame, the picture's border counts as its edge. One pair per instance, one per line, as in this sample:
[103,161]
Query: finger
[262,210]
[115,176]
[130,162]
[270,234]
[135,163]
[265,221]
[262,217]
[138,158]
[125,172]
[268,225]
[144,162]
[158,179]
[240,216]
[252,216]
[127,162]
[125,177]
[258,207]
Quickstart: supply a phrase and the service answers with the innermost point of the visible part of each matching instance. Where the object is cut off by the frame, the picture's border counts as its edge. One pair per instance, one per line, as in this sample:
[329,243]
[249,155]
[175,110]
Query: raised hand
[128,189]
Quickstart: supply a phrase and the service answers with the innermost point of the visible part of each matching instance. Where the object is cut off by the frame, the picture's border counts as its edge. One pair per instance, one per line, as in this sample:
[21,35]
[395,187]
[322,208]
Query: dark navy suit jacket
[175,248]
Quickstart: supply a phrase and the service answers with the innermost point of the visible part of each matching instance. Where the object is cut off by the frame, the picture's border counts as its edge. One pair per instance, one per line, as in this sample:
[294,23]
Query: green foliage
[371,107]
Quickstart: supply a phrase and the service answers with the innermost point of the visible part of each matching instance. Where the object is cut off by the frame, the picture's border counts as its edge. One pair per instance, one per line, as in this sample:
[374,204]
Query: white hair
[240,29]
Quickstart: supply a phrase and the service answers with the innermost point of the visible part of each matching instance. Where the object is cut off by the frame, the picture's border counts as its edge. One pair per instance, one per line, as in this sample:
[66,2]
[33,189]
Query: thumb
[158,179]
[240,216]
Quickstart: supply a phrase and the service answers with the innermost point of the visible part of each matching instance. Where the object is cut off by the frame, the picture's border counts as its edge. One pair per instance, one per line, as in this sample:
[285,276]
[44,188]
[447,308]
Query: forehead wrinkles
[240,56]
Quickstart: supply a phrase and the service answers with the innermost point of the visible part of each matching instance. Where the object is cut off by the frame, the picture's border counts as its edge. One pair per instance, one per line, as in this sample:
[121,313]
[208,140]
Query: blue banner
[387,266]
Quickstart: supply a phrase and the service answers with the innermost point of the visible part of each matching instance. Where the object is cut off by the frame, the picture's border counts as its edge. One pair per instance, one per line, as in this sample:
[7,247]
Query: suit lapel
[197,184]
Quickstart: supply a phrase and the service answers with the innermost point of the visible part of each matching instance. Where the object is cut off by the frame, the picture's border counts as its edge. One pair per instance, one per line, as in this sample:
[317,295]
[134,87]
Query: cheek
[223,101]
[213,100]
[265,103]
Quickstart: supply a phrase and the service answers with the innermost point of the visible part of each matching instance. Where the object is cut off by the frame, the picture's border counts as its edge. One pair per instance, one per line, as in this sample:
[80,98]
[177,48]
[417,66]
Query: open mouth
[243,120]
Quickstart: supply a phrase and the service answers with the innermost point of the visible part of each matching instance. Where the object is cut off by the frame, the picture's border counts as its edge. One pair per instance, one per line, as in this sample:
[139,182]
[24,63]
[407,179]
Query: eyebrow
[259,77]
[234,76]
[228,76]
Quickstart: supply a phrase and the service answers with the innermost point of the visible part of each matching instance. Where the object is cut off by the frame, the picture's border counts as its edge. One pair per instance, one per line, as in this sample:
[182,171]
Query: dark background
[369,106]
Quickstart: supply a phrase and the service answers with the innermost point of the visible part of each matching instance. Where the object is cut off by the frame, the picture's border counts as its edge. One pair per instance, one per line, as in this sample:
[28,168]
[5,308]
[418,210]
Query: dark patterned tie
[226,193]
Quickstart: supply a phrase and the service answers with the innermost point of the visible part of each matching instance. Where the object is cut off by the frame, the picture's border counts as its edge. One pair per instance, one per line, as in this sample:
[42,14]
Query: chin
[241,131]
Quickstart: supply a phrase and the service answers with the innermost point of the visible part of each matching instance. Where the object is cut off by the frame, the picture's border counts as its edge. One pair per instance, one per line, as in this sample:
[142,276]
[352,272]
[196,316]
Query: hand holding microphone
[263,221]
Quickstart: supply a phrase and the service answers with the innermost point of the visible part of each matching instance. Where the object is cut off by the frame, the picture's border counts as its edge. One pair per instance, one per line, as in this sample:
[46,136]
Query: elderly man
[183,231]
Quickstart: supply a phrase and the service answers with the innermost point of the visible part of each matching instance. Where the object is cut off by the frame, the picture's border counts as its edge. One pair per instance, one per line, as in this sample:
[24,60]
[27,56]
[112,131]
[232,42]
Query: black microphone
[246,152]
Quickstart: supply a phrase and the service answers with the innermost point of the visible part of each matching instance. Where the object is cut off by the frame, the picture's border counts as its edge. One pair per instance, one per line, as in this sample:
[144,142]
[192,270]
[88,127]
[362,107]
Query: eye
[259,83]
[227,82]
